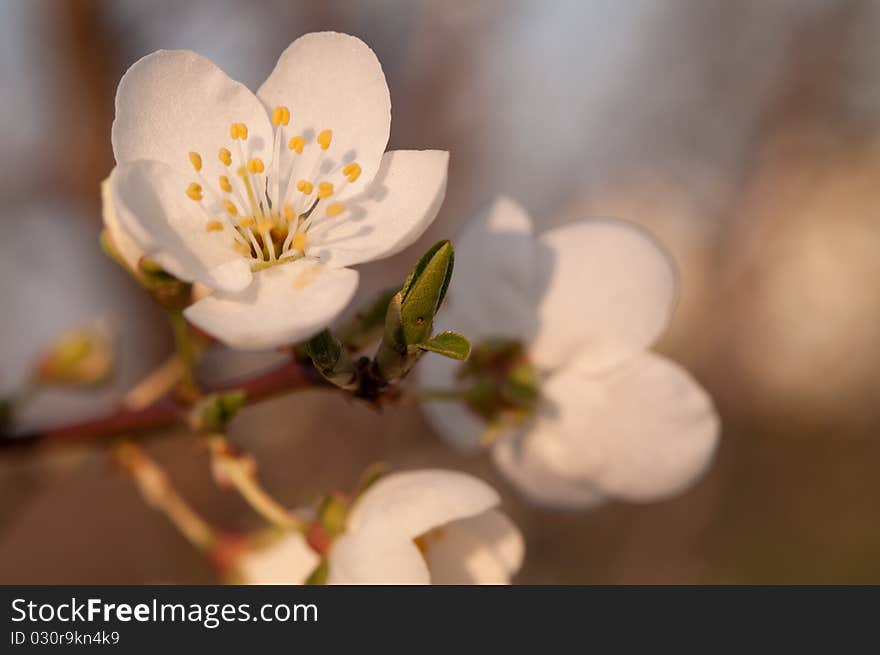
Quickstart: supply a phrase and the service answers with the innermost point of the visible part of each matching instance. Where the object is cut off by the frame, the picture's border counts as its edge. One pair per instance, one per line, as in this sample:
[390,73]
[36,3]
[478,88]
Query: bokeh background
[744,134]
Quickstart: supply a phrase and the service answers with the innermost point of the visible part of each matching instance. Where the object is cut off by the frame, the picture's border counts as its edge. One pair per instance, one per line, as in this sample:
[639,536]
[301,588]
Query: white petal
[153,208]
[285,304]
[289,560]
[458,425]
[526,468]
[376,556]
[397,208]
[332,81]
[500,271]
[173,102]
[122,241]
[483,549]
[412,502]
[641,431]
[612,281]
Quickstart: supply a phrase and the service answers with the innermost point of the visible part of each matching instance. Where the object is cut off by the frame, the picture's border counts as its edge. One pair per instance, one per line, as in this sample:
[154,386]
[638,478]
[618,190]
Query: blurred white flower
[266,198]
[427,526]
[587,300]
[415,527]
[287,559]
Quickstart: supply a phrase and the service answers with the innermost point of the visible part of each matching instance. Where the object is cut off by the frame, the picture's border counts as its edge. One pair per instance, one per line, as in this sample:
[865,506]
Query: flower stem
[186,353]
[238,469]
[167,411]
[158,492]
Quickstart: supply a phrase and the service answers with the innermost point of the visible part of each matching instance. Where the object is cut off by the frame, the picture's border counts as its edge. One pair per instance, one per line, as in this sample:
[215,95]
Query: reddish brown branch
[168,411]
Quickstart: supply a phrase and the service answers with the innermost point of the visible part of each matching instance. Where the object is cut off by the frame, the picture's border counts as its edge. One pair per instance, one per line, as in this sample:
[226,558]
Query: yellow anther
[281,115]
[196,160]
[255,165]
[304,187]
[352,171]
[300,241]
[238,131]
[246,222]
[224,184]
[264,225]
[325,190]
[297,143]
[230,207]
[335,209]
[242,248]
[289,214]
[225,156]
[324,139]
[194,191]
[213,226]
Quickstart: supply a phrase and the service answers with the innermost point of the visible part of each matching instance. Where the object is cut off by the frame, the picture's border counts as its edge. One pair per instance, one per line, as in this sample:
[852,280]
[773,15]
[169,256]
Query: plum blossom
[426,526]
[265,198]
[286,559]
[414,527]
[610,419]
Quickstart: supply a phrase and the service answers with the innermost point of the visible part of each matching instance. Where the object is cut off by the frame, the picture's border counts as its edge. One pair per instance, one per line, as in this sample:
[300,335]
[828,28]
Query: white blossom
[427,526]
[265,198]
[587,299]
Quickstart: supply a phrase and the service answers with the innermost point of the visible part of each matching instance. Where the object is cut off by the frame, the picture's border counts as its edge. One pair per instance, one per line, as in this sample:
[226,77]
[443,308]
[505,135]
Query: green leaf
[320,574]
[325,350]
[331,360]
[448,344]
[423,293]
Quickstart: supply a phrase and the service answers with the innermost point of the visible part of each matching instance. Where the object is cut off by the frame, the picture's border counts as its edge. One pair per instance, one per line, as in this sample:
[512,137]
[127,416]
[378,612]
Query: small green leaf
[320,574]
[448,344]
[332,512]
[424,293]
[331,360]
[325,350]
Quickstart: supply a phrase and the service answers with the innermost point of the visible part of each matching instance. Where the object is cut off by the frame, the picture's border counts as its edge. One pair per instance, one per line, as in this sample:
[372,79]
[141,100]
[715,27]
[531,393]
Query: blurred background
[744,134]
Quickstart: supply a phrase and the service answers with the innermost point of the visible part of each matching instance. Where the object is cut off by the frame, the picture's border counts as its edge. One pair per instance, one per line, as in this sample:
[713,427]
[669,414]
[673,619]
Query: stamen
[230,207]
[213,226]
[196,160]
[255,165]
[281,116]
[352,171]
[324,139]
[242,248]
[194,191]
[246,222]
[243,174]
[264,225]
[238,131]
[325,190]
[304,187]
[225,156]
[297,143]
[225,184]
[289,214]
[335,209]
[300,241]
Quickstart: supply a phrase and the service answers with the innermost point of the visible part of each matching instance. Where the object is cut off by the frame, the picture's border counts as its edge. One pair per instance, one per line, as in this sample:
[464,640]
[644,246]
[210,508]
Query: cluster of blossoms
[266,200]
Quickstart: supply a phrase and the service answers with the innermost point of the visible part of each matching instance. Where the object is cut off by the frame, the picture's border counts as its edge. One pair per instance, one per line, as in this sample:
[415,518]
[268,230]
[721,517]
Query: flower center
[273,211]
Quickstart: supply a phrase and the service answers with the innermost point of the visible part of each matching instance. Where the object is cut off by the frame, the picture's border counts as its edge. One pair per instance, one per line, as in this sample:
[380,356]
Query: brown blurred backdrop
[744,134]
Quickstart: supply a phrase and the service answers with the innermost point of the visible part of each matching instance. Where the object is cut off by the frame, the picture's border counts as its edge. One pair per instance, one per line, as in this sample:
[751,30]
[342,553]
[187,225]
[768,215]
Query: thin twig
[239,470]
[169,411]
